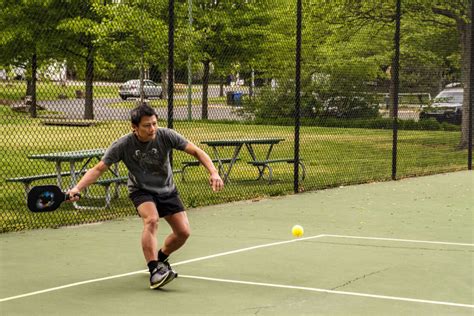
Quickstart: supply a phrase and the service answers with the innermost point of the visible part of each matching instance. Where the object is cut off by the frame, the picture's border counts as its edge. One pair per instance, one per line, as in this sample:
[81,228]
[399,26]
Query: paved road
[74,109]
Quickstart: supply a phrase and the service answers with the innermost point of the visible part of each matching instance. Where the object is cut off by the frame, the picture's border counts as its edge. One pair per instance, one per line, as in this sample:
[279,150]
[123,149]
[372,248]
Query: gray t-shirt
[148,163]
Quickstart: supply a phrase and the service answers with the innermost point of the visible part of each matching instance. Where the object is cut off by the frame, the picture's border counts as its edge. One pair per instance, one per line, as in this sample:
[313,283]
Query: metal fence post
[471,95]
[297,96]
[170,67]
[170,61]
[396,66]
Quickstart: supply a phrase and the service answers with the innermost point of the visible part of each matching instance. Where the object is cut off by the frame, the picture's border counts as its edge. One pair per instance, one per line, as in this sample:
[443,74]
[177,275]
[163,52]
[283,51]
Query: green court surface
[393,248]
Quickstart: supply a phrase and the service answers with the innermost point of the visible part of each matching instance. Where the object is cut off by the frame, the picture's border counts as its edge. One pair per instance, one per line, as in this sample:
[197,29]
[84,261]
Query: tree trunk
[164,83]
[142,75]
[29,86]
[32,86]
[391,96]
[89,107]
[252,84]
[205,90]
[464,30]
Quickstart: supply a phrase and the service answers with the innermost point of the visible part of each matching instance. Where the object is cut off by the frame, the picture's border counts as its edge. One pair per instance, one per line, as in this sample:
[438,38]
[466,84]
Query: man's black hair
[141,111]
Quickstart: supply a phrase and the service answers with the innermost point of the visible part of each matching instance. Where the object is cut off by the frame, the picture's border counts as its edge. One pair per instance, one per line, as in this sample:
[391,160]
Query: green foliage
[230,32]
[359,36]
[26,28]
[373,123]
[134,33]
[339,37]
[321,96]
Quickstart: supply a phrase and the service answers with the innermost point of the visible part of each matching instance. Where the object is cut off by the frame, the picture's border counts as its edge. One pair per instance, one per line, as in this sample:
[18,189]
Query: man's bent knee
[148,213]
[150,223]
[183,234]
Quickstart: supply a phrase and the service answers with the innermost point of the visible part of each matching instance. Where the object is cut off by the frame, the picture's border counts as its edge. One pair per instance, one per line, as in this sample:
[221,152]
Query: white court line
[146,271]
[385,297]
[400,240]
[70,285]
[219,255]
[247,249]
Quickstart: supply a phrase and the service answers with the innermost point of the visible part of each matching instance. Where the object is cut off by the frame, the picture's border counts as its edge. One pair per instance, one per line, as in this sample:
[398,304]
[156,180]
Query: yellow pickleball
[297,230]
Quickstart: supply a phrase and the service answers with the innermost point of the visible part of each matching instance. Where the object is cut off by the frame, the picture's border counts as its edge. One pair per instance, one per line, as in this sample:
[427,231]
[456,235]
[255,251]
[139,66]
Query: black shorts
[165,204]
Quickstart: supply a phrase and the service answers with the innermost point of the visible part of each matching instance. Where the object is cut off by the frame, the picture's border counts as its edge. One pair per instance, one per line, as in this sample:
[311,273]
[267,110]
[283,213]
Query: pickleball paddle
[46,198]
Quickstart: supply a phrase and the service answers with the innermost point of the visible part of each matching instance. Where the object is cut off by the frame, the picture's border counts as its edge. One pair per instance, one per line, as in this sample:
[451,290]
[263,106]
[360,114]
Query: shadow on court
[391,248]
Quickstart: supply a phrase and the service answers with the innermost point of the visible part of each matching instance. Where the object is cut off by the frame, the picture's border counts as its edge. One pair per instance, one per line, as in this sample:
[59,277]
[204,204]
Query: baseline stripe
[400,240]
[70,285]
[303,288]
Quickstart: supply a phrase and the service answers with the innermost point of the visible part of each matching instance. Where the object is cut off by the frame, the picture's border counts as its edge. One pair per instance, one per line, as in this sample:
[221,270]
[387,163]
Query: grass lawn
[333,157]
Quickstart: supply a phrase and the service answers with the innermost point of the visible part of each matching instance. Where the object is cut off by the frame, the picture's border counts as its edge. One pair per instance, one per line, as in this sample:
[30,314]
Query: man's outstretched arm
[89,177]
[214,179]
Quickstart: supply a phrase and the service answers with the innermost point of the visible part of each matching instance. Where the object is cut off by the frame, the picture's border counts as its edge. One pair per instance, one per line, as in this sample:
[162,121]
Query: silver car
[131,89]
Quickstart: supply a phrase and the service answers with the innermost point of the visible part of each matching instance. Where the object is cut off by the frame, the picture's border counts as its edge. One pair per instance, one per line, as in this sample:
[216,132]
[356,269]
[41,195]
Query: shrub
[376,123]
[318,99]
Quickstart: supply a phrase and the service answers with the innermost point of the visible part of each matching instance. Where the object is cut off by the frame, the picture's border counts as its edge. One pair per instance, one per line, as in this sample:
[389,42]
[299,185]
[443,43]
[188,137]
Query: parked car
[451,97]
[446,107]
[131,89]
[448,116]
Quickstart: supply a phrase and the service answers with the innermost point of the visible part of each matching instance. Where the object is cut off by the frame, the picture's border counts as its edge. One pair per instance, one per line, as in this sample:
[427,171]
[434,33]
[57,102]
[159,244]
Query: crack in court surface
[358,278]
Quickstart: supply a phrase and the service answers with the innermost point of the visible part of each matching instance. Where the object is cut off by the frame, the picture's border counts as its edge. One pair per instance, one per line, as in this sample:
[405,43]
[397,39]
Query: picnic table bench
[265,164]
[249,143]
[106,183]
[194,163]
[68,122]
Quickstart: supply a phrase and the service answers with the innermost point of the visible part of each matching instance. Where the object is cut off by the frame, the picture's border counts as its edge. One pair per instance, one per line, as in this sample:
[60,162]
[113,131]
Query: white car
[131,89]
[449,98]
[446,107]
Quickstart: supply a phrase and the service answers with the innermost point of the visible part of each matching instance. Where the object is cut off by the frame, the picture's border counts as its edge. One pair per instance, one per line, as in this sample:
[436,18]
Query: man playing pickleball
[145,152]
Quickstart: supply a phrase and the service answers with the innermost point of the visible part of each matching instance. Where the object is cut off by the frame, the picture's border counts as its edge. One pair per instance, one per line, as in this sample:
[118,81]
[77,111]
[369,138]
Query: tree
[229,34]
[26,28]
[427,19]
[454,15]
[133,36]
[80,40]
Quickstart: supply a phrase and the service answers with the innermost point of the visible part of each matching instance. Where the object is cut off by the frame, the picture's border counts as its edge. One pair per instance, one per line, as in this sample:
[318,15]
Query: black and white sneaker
[172,274]
[159,275]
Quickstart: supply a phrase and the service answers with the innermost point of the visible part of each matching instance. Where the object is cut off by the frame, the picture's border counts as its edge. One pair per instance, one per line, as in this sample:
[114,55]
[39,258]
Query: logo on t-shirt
[151,161]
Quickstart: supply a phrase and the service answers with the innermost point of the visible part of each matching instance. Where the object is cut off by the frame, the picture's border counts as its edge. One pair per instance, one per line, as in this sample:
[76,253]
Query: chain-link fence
[373,103]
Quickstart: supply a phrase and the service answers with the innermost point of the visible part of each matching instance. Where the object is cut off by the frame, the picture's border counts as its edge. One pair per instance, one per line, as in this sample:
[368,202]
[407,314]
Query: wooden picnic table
[238,144]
